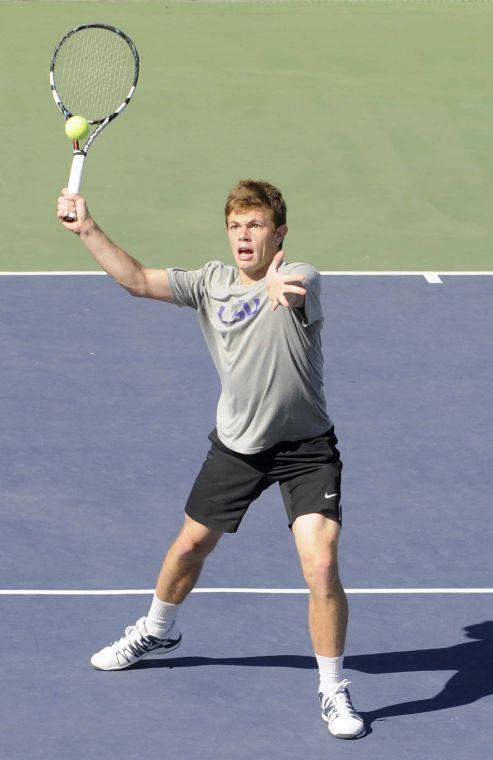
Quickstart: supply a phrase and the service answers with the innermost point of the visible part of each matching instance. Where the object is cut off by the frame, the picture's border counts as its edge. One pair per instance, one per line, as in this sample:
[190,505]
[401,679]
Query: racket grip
[75,180]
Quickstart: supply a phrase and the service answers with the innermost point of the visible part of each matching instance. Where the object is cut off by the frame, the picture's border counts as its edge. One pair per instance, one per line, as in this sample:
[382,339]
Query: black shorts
[308,472]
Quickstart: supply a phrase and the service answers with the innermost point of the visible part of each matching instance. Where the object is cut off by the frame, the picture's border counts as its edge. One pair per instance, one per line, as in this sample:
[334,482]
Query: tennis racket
[93,73]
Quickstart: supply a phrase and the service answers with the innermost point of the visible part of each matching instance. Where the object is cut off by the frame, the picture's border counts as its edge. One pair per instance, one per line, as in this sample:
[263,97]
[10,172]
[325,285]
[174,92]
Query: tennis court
[374,118]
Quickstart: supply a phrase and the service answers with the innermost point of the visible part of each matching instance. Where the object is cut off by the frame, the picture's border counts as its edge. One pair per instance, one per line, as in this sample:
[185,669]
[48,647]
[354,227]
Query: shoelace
[128,630]
[134,643]
[339,701]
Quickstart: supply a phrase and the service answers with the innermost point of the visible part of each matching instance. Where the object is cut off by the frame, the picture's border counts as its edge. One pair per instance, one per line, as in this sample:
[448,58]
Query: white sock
[330,670]
[160,617]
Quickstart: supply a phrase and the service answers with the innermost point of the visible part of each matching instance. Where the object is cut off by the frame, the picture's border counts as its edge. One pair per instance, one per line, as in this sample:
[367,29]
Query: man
[273,428]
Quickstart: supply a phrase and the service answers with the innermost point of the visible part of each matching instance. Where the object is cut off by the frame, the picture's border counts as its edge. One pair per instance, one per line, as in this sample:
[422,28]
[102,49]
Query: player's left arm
[284,289]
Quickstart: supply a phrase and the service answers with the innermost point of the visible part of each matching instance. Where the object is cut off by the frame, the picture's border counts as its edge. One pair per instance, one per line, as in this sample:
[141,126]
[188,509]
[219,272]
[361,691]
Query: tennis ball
[76,128]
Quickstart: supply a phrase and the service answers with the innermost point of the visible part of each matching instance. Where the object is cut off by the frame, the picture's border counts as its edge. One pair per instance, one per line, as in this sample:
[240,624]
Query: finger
[62,212]
[275,264]
[64,209]
[282,300]
[62,201]
[293,277]
[294,289]
[69,196]
[65,203]
[277,260]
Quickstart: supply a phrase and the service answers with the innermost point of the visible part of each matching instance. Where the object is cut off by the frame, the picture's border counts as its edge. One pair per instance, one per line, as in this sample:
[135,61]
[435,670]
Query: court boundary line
[146,591]
[431,277]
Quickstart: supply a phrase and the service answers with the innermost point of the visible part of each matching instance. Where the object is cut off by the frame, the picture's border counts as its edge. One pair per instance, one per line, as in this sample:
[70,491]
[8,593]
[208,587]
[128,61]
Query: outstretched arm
[125,270]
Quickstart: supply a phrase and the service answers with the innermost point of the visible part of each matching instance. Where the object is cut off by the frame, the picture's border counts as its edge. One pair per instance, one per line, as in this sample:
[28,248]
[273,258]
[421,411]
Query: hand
[278,289]
[68,202]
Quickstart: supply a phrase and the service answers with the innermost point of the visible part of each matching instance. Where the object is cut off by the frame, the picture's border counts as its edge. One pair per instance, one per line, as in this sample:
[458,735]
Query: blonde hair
[253,193]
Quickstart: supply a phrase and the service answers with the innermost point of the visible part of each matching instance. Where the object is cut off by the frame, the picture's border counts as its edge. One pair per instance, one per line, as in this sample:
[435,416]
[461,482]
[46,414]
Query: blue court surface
[106,406]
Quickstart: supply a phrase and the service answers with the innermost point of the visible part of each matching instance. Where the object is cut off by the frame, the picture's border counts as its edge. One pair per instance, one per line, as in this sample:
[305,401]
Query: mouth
[245,253]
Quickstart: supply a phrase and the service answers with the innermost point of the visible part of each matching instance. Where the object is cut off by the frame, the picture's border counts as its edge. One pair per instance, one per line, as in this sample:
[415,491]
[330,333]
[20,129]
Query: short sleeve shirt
[270,363]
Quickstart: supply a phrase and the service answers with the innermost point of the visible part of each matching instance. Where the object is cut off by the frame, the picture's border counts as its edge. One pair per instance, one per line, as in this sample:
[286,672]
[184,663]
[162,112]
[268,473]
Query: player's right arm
[127,271]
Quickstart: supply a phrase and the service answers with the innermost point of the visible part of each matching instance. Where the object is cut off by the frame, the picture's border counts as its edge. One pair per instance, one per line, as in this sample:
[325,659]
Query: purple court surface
[106,406]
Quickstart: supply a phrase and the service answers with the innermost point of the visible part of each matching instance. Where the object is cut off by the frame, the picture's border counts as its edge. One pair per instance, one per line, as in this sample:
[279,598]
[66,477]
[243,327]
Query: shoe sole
[153,653]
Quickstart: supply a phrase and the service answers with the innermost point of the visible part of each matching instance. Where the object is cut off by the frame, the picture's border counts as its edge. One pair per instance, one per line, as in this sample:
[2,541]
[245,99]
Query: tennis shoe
[338,712]
[136,644]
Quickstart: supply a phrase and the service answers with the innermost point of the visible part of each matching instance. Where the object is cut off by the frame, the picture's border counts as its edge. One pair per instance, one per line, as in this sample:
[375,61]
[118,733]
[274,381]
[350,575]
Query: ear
[280,234]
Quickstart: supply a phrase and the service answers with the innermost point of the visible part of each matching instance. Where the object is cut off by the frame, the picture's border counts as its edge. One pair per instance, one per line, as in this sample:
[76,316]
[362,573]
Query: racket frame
[79,154]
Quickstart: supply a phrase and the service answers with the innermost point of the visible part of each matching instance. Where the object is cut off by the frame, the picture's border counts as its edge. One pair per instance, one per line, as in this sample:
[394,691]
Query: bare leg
[179,573]
[183,562]
[316,541]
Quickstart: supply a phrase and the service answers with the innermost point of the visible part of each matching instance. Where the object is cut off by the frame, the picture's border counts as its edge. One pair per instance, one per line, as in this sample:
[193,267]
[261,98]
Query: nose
[244,233]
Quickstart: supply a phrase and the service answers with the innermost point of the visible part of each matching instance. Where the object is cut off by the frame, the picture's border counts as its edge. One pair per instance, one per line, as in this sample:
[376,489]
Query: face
[254,241]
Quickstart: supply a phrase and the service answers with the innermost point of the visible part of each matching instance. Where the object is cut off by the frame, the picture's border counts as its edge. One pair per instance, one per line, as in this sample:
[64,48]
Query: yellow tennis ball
[76,128]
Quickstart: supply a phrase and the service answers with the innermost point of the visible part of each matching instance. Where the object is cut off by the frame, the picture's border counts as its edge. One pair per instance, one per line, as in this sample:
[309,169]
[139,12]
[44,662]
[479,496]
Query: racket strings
[94,72]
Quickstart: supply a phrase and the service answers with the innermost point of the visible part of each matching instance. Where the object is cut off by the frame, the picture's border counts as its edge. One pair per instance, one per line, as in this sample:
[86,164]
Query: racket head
[93,72]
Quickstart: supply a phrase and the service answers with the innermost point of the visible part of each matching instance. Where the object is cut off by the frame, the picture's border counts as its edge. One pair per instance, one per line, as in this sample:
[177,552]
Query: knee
[321,573]
[194,543]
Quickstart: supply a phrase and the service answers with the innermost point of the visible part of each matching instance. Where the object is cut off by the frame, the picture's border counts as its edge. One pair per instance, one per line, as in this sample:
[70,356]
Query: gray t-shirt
[269,362]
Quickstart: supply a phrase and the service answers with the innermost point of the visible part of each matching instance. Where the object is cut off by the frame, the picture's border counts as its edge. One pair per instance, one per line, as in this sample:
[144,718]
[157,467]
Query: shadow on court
[267,661]
[473,661]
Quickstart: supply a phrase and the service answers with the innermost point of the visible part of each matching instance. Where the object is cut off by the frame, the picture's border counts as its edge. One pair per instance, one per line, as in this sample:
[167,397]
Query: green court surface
[374,118]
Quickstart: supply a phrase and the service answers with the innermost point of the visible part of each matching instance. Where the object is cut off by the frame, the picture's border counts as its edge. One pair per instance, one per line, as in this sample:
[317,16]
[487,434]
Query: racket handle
[75,180]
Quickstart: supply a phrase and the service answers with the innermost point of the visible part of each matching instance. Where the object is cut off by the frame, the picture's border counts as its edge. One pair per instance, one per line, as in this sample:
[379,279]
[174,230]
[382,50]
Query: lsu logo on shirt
[241,313]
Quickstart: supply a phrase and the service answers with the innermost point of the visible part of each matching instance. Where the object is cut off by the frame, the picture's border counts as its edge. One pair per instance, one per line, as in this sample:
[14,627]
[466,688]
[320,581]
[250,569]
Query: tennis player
[261,320]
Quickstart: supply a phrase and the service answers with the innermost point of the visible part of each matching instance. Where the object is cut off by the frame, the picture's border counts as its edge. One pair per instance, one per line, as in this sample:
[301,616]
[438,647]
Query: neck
[252,277]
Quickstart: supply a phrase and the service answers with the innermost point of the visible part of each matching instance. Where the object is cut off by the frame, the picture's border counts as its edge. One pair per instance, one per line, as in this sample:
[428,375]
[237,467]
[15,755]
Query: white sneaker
[135,645]
[337,711]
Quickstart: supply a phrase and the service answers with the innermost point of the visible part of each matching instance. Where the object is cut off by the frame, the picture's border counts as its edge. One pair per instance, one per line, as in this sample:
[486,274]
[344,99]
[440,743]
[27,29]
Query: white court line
[433,277]
[52,274]
[142,591]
